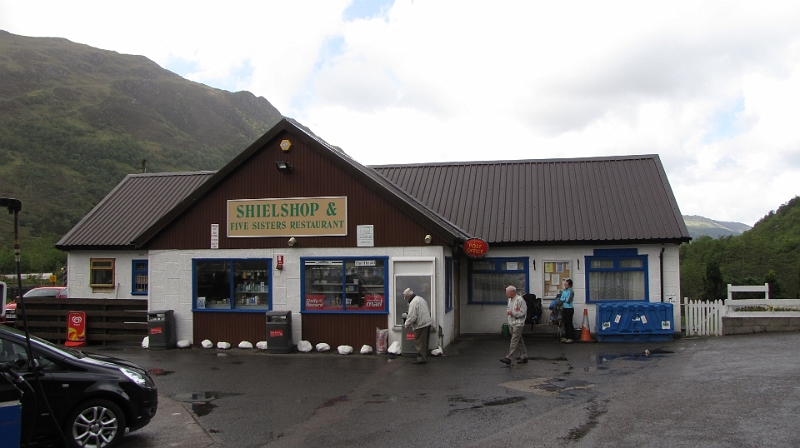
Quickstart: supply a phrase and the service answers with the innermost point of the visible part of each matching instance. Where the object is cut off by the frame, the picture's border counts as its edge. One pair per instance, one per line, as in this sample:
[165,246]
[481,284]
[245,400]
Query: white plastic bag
[245,345]
[223,345]
[184,343]
[146,342]
[261,345]
[207,344]
[395,348]
[366,349]
[437,351]
[344,349]
[304,346]
[323,347]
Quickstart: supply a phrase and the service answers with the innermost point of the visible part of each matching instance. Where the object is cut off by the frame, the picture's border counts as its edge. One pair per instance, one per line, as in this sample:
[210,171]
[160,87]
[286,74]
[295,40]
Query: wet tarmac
[736,391]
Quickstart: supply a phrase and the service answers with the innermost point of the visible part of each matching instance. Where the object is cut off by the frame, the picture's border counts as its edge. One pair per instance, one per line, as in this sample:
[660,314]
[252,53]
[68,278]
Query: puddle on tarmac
[202,401]
[503,401]
[547,386]
[332,401]
[639,356]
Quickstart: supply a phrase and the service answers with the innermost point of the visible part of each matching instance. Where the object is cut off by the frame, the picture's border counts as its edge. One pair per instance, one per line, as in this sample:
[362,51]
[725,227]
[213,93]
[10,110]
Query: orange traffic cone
[585,335]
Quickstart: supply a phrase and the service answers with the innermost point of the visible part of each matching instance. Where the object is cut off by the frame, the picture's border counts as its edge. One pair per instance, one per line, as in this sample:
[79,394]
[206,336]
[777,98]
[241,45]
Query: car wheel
[95,424]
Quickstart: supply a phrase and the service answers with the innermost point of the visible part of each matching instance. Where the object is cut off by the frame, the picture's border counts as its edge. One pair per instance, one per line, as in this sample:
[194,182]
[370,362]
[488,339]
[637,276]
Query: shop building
[294,224]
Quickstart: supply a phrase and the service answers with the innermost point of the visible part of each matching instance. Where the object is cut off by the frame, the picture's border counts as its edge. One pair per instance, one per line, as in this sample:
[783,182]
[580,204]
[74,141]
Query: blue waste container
[634,322]
[10,414]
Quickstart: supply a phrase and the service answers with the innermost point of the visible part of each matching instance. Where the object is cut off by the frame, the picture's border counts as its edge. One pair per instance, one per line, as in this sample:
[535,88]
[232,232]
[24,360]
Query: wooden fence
[107,320]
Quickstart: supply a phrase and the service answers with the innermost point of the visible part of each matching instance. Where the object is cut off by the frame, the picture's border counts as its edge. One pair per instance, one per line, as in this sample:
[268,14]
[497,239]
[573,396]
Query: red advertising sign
[475,247]
[76,329]
[275,333]
[156,330]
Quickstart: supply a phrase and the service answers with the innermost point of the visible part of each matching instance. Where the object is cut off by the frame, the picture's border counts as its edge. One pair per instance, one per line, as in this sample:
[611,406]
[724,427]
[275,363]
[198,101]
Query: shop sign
[475,247]
[287,217]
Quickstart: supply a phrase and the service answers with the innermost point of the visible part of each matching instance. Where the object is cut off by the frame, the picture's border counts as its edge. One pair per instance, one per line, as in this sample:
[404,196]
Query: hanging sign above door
[475,247]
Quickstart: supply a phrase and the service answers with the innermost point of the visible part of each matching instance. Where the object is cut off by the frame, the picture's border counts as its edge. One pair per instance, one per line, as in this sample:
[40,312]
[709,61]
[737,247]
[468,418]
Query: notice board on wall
[554,274]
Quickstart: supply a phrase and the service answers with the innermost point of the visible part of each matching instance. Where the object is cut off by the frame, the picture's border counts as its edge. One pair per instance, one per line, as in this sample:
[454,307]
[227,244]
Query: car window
[41,293]
[15,354]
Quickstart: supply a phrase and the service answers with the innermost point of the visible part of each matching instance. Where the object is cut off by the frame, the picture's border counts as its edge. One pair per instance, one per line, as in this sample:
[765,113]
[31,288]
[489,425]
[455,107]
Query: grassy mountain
[74,120]
[699,226]
[768,253]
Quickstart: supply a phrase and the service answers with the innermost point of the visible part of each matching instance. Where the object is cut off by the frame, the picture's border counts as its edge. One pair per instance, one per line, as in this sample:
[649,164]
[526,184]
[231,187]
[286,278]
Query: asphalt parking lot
[731,391]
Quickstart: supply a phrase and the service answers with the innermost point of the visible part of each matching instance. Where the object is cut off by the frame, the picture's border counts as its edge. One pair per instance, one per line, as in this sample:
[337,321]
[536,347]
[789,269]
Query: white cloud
[712,87]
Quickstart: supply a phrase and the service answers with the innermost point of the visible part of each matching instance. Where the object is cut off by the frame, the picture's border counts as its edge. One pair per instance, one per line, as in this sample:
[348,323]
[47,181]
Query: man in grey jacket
[516,311]
[419,320]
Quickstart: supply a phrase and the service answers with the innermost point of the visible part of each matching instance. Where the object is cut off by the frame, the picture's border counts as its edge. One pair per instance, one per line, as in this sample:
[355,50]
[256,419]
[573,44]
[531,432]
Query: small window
[139,277]
[488,279]
[448,284]
[102,272]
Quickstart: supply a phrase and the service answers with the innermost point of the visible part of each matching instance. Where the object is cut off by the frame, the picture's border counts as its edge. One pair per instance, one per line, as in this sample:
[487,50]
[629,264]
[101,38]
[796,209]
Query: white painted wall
[78,276]
[487,319]
[171,283]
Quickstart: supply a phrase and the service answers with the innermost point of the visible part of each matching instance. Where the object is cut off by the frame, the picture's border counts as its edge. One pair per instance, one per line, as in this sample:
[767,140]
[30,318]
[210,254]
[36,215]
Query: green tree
[714,287]
[775,289]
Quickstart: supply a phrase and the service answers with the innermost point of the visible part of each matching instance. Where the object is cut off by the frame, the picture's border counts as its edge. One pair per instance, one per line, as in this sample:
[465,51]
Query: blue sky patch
[725,123]
[366,9]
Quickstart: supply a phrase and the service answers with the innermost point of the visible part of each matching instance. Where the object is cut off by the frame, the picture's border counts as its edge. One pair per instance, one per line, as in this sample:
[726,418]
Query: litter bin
[407,346]
[279,331]
[161,329]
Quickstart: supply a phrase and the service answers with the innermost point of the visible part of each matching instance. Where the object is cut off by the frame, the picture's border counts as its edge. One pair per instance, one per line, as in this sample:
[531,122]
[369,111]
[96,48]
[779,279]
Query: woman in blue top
[569,311]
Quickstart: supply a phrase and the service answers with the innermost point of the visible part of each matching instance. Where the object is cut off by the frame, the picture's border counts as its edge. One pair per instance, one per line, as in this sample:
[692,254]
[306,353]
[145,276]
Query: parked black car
[93,398]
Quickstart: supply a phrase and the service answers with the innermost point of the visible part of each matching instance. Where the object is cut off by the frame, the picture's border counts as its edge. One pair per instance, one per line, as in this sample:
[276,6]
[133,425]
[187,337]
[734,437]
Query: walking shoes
[505,361]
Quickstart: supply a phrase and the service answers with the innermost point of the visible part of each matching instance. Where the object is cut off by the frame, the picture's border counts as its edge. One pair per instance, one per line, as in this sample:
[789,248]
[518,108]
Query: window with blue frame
[344,285]
[489,277]
[616,275]
[139,277]
[448,284]
[232,285]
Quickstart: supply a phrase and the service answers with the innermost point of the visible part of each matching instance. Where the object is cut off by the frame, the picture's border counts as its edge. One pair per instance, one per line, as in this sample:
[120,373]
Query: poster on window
[555,272]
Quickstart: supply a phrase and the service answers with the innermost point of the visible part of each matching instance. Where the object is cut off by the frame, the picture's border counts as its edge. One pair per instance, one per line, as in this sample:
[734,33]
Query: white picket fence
[703,318]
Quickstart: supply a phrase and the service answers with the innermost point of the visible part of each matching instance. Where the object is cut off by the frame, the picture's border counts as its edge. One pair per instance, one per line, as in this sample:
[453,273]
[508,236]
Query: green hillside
[768,253]
[74,120]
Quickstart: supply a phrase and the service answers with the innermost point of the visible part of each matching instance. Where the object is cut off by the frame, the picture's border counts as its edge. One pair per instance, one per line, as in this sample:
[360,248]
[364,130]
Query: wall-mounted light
[428,239]
[283,166]
[292,241]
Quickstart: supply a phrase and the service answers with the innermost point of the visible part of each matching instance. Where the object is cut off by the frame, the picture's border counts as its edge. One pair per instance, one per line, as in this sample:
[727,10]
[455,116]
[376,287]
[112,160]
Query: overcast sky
[712,87]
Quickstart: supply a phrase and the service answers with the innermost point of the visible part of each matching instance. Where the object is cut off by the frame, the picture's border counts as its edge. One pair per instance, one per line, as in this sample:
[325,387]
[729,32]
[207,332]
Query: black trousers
[569,326]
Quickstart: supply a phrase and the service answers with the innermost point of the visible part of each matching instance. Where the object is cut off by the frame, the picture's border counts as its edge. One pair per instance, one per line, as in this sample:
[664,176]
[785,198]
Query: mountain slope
[699,226]
[74,120]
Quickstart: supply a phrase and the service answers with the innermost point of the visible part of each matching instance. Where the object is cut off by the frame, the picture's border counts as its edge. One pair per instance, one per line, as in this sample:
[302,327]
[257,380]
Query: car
[91,399]
[59,292]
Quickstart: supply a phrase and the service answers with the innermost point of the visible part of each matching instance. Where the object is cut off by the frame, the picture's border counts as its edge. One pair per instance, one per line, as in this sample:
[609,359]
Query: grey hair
[511,288]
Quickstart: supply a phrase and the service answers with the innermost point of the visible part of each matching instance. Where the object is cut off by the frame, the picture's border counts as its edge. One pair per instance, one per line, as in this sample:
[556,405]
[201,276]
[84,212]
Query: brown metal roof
[604,199]
[130,208]
[400,198]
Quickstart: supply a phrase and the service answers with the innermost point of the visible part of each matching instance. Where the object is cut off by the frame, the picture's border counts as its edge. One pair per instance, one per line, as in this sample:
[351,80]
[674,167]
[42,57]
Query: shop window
[101,272]
[489,277]
[448,284]
[140,278]
[232,285]
[616,275]
[344,285]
